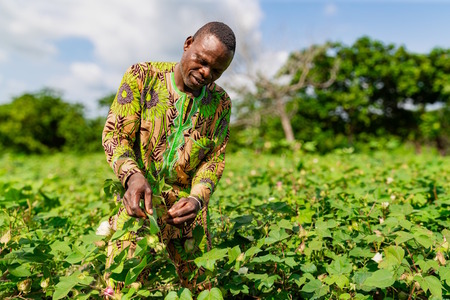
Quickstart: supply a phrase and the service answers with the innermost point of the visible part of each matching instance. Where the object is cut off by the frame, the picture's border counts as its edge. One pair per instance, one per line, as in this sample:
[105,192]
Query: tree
[274,96]
[340,95]
[41,122]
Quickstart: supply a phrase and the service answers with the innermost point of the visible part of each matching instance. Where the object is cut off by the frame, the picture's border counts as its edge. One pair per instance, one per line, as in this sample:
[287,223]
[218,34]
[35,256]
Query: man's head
[221,31]
[206,55]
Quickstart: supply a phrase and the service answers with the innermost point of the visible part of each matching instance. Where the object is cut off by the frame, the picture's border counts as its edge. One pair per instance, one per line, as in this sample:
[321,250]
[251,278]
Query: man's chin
[194,87]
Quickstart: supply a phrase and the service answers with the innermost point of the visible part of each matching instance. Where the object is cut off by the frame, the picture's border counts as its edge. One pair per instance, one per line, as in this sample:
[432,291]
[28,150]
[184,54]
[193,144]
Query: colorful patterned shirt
[154,128]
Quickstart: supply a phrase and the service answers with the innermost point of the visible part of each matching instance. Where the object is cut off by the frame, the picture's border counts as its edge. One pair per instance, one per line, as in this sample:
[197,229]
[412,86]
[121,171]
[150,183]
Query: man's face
[204,60]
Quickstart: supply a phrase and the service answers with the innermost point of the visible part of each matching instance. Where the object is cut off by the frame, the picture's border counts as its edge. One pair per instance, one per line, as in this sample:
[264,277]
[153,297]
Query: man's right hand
[138,186]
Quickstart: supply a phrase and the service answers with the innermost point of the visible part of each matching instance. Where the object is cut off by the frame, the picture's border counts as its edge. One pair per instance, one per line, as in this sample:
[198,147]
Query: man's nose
[206,73]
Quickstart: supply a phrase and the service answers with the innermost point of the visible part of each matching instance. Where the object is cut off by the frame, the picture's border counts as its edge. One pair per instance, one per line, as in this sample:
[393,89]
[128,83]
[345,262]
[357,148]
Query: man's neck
[179,82]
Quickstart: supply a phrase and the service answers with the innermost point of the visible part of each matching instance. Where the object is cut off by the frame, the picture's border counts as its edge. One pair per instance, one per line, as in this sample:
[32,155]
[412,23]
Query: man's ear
[188,43]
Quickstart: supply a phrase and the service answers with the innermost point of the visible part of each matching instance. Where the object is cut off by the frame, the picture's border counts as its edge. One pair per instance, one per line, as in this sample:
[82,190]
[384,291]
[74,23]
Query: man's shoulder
[214,88]
[152,67]
[217,92]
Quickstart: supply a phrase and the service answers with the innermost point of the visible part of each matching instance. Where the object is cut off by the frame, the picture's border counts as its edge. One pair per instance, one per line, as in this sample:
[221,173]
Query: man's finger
[127,207]
[180,220]
[181,208]
[148,201]
[136,210]
[126,203]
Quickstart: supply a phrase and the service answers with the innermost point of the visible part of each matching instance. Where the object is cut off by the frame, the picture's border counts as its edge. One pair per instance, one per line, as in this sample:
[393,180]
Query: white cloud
[3,56]
[271,62]
[122,33]
[330,9]
[10,88]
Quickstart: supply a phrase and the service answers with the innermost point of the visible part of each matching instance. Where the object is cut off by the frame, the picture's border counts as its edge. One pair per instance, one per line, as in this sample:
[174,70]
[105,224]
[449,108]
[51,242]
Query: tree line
[337,96]
[324,97]
[44,122]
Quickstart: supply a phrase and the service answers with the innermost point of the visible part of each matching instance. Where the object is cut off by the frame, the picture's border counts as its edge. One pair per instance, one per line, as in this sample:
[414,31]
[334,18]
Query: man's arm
[119,136]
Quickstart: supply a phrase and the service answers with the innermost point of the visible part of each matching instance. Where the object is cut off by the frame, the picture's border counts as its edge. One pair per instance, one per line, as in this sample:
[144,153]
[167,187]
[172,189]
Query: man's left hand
[183,212]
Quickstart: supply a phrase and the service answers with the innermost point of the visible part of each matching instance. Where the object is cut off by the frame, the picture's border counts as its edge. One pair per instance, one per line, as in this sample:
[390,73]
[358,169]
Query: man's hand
[138,186]
[183,212]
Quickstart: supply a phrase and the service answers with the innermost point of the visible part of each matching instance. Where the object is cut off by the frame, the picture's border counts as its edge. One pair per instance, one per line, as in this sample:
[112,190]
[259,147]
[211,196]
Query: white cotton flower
[392,197]
[384,205]
[389,180]
[377,257]
[381,220]
[104,229]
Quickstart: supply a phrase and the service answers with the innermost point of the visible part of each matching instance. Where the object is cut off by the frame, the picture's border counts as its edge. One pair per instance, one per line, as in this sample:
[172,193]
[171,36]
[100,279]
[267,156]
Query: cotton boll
[104,229]
[378,257]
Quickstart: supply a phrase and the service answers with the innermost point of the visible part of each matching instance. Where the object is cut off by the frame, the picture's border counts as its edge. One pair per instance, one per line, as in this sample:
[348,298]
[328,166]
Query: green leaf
[85,279]
[208,259]
[213,294]
[61,246]
[285,224]
[154,228]
[430,283]
[118,269]
[238,288]
[434,285]
[290,262]
[315,286]
[276,236]
[322,228]
[360,252]
[252,251]
[424,240]
[297,279]
[75,257]
[425,265]
[308,267]
[134,272]
[403,236]
[446,234]
[128,295]
[263,280]
[185,294]
[172,295]
[91,238]
[233,253]
[393,256]
[143,293]
[381,279]
[312,286]
[267,258]
[444,274]
[341,265]
[345,296]
[314,245]
[22,270]
[118,234]
[341,281]
[65,285]
[405,223]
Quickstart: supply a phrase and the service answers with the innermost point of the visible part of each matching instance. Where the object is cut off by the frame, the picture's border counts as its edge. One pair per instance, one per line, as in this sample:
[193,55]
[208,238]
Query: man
[169,121]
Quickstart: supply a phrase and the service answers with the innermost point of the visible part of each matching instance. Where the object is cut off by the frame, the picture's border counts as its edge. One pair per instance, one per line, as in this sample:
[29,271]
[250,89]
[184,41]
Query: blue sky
[82,47]
[419,25]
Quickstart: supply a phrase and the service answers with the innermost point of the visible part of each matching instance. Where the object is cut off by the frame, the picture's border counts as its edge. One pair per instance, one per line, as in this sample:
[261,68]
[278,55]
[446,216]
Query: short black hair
[220,30]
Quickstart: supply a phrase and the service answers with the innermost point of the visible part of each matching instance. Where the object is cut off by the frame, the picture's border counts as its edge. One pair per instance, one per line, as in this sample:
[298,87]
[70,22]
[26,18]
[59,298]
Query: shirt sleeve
[209,173]
[121,127]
